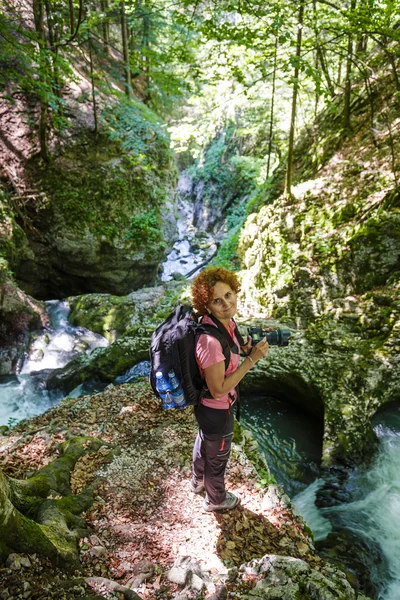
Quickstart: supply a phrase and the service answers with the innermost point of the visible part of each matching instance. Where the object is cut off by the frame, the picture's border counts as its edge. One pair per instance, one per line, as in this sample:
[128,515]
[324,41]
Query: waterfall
[24,395]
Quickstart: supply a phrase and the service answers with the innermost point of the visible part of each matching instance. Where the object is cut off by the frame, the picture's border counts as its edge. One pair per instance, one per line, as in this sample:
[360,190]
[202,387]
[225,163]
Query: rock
[97,551]
[5,594]
[359,557]
[183,595]
[142,571]
[20,314]
[94,540]
[287,578]
[196,583]
[103,364]
[25,562]
[14,562]
[183,569]
[104,249]
[113,587]
[221,593]
[144,567]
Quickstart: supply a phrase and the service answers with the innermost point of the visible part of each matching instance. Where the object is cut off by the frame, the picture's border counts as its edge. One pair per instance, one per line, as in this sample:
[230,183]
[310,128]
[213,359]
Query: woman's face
[224,302]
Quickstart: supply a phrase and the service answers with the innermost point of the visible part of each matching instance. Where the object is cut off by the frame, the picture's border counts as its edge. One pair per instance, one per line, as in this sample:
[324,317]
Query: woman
[214,294]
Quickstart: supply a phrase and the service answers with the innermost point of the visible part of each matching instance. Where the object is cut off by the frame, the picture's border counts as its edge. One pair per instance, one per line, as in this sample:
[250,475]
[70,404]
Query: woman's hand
[259,350]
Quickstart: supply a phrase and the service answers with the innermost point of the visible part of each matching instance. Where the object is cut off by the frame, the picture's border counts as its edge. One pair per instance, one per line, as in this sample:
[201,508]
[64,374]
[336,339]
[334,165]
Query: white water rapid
[23,395]
[375,507]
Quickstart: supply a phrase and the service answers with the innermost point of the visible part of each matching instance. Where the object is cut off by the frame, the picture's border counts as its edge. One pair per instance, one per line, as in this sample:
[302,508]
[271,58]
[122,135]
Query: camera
[275,337]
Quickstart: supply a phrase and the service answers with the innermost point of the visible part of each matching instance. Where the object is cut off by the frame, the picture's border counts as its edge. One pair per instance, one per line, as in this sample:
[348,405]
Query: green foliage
[227,252]
[145,230]
[230,179]
[161,52]
[139,131]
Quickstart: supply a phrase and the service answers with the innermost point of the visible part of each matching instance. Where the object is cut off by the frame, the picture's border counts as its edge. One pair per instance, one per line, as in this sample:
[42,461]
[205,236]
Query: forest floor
[144,516]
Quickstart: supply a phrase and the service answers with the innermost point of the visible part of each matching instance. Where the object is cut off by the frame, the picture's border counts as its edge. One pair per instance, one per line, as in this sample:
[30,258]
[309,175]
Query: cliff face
[327,261]
[91,221]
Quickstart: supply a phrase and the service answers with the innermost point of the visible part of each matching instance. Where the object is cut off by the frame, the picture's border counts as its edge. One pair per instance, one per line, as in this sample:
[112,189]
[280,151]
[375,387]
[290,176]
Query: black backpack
[173,346]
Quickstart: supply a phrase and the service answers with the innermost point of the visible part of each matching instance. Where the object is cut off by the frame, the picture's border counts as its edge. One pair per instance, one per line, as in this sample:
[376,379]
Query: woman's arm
[219,385]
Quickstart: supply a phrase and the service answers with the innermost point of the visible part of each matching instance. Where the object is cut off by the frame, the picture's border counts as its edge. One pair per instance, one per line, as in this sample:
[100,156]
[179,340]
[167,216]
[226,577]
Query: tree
[349,63]
[38,13]
[126,53]
[289,171]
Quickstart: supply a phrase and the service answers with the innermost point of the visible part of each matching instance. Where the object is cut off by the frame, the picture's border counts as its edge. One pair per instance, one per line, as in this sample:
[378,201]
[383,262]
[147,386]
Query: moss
[56,475]
[102,313]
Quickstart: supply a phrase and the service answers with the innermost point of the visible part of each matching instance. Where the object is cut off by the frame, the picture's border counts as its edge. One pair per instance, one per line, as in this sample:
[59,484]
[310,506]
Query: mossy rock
[112,316]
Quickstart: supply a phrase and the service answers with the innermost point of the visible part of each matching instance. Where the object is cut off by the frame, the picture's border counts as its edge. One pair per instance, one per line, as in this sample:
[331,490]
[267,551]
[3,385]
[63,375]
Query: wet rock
[103,364]
[20,314]
[360,558]
[36,355]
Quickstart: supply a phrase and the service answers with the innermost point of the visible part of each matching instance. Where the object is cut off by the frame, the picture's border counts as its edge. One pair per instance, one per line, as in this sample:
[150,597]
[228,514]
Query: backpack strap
[214,332]
[228,345]
[227,335]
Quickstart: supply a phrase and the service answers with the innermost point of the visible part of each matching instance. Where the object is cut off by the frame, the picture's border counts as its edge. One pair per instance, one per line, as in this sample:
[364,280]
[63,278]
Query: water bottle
[164,389]
[177,392]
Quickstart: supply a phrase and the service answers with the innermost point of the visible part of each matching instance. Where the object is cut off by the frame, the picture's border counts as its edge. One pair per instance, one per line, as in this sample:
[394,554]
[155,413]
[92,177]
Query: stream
[371,496]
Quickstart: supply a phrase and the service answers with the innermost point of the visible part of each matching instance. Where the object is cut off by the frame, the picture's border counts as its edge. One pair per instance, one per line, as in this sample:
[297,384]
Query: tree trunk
[289,173]
[31,522]
[271,120]
[105,26]
[96,127]
[320,54]
[52,33]
[125,48]
[347,89]
[38,13]
[146,46]
[71,16]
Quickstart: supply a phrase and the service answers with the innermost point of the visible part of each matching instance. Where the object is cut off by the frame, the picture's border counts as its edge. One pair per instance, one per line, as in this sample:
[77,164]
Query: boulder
[112,316]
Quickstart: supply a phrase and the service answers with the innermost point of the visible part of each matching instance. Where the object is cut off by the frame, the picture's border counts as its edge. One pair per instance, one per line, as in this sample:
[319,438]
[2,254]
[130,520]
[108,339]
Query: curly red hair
[203,283]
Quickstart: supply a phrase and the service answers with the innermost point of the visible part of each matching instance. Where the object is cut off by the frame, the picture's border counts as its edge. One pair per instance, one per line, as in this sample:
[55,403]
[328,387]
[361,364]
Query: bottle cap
[159,374]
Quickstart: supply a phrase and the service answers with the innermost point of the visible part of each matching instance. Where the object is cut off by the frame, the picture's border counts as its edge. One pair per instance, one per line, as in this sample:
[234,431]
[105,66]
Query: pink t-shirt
[209,352]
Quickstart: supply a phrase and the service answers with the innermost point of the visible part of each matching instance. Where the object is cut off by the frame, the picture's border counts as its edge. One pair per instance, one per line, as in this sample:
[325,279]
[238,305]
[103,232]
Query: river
[291,443]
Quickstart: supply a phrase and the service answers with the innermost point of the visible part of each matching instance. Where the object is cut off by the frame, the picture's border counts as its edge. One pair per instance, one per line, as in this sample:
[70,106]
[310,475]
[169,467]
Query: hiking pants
[212,449]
